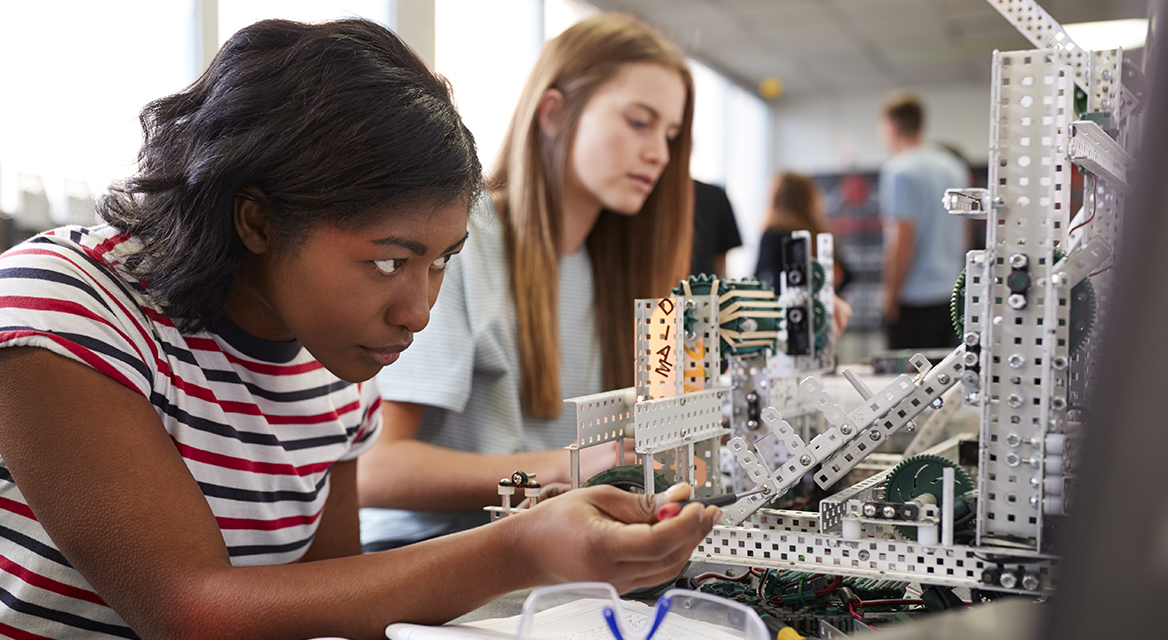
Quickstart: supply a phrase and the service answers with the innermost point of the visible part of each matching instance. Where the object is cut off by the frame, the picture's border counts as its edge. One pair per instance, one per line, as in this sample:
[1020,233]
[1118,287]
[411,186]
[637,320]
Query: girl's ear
[251,220]
[548,112]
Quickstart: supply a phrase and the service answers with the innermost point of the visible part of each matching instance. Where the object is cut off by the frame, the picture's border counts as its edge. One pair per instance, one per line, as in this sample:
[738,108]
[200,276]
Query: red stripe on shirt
[48,584]
[83,354]
[109,243]
[20,634]
[268,525]
[146,336]
[242,464]
[328,416]
[274,369]
[18,508]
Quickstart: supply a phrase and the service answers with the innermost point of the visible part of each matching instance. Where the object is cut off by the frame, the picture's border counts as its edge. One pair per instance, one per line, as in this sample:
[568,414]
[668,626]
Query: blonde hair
[632,256]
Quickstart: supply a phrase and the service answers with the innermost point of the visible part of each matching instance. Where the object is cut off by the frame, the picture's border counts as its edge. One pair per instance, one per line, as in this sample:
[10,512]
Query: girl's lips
[384,357]
[644,183]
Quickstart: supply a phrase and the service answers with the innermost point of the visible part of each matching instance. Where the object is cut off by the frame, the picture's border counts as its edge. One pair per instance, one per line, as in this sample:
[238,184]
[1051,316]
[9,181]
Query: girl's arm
[103,478]
[400,472]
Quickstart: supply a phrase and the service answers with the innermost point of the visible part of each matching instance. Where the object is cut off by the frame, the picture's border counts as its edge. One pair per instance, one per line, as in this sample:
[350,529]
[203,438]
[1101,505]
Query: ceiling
[823,49]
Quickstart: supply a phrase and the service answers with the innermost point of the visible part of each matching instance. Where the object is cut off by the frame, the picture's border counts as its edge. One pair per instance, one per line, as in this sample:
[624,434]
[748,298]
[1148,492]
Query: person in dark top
[715,230]
[797,205]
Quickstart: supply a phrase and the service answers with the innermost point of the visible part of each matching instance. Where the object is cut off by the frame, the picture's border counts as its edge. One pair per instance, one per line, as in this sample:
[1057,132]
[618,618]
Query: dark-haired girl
[183,390]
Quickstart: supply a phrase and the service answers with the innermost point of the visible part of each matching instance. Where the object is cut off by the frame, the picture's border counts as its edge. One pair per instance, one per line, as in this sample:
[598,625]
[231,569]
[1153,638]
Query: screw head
[1058,404]
[1014,400]
[888,511]
[1013,440]
[970,359]
[942,378]
[1016,301]
[846,429]
[1059,362]
[864,554]
[1019,260]
[972,339]
[805,460]
[1008,579]
[870,510]
[1031,582]
[1013,459]
[796,315]
[874,436]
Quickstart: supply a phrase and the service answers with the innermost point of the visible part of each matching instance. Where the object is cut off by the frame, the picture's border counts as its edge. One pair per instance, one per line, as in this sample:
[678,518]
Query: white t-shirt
[465,368]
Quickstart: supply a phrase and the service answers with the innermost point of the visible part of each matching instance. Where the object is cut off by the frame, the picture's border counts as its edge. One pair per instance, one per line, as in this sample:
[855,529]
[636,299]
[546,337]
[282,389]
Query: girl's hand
[606,534]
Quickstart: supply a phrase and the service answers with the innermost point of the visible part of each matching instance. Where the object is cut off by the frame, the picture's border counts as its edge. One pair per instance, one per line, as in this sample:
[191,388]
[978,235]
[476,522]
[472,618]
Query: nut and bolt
[1014,400]
[910,426]
[1016,361]
[943,378]
[998,202]
[938,403]
[846,429]
[796,315]
[1031,582]
[970,359]
[1034,501]
[752,397]
[1019,261]
[1059,362]
[972,339]
[1058,404]
[874,436]
[1013,459]
[864,554]
[1016,301]
[1013,440]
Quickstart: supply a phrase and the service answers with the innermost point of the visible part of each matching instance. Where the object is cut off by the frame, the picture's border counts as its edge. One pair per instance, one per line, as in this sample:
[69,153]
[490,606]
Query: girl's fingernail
[671,494]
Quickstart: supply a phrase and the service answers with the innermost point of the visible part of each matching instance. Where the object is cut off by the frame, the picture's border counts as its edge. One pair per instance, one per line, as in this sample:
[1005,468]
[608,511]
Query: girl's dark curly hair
[330,122]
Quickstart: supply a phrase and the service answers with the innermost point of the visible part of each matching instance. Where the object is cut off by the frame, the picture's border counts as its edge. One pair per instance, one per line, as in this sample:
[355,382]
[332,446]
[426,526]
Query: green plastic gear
[818,276]
[628,477]
[919,475]
[1081,312]
[957,305]
[703,284]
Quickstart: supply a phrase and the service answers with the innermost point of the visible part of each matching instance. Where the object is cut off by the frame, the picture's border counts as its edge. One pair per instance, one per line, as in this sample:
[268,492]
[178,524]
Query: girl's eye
[441,263]
[388,266]
[637,124]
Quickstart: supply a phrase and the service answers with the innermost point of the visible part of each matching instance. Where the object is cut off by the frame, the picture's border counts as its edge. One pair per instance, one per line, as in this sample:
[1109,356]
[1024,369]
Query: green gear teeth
[919,475]
[1081,311]
[818,276]
[703,284]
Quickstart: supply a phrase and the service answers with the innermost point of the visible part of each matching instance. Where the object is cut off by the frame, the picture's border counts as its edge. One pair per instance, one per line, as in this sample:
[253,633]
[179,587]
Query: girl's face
[621,144]
[353,298]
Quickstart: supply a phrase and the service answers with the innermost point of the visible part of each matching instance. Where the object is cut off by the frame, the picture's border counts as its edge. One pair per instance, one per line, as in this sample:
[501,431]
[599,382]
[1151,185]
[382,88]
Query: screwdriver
[670,509]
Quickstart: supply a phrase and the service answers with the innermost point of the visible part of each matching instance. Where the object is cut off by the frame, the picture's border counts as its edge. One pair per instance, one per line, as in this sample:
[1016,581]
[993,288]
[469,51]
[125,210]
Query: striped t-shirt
[258,423]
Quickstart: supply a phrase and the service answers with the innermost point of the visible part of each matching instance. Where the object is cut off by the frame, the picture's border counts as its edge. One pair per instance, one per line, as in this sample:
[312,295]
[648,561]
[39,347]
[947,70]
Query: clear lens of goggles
[586,610]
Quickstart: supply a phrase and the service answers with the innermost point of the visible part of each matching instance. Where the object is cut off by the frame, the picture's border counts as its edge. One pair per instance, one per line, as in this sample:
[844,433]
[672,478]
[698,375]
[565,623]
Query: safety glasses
[593,610]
